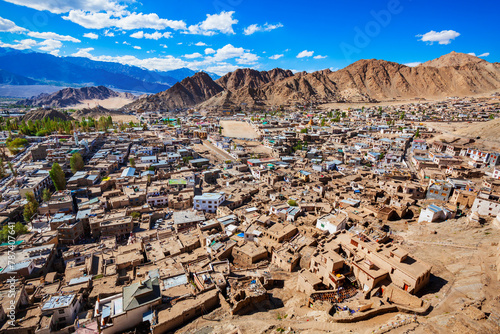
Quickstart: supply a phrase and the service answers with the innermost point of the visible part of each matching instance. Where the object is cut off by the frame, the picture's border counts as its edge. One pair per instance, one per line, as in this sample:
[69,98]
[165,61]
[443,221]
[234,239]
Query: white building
[332,222]
[149,159]
[485,207]
[63,309]
[434,213]
[208,202]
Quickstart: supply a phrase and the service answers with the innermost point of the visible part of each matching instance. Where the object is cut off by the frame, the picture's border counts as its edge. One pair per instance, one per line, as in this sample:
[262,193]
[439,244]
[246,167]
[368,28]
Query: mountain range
[72,96]
[29,68]
[454,74]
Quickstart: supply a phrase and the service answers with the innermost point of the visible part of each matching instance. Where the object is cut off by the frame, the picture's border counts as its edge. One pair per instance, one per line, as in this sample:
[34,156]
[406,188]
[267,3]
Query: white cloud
[256,28]
[228,51]
[21,44]
[123,20]
[9,26]
[108,33]
[413,64]
[51,46]
[209,51]
[126,43]
[83,53]
[137,47]
[247,59]
[156,35]
[164,46]
[201,44]
[305,53]
[214,24]
[91,35]
[486,54]
[53,36]
[166,63]
[221,61]
[222,68]
[443,37]
[319,57]
[193,55]
[59,7]
[274,57]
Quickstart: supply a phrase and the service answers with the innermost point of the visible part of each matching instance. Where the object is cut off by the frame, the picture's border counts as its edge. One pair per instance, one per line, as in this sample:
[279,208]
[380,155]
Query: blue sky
[222,35]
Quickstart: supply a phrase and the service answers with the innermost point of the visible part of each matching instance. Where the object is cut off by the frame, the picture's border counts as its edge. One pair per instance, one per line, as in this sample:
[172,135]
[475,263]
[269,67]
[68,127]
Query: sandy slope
[235,129]
[111,103]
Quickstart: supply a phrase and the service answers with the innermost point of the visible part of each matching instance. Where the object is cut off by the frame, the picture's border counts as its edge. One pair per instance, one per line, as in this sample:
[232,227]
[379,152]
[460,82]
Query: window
[61,311]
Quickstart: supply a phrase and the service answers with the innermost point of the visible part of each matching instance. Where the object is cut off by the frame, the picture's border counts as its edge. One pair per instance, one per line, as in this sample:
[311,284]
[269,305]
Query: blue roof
[79,280]
[58,302]
[195,161]
[16,266]
[434,208]
[129,171]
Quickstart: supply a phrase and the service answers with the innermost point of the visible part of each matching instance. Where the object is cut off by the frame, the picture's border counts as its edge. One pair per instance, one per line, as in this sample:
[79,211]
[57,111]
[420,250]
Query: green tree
[132,162]
[292,202]
[417,133]
[31,208]
[304,130]
[18,229]
[12,169]
[46,195]
[15,146]
[2,168]
[76,162]
[135,215]
[58,177]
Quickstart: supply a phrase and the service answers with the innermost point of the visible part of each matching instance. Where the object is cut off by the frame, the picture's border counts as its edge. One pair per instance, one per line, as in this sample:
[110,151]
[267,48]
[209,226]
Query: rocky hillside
[95,112]
[252,79]
[363,81]
[40,114]
[189,92]
[453,59]
[72,96]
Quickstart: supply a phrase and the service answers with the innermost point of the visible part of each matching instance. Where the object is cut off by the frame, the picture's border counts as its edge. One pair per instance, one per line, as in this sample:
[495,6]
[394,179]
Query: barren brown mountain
[73,96]
[189,92]
[371,80]
[95,112]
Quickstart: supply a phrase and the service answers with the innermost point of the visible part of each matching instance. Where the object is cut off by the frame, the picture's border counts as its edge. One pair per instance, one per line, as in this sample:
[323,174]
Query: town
[325,217]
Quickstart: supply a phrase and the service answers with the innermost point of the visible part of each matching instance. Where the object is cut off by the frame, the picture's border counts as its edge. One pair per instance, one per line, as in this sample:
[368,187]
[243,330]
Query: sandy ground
[255,147]
[236,129]
[124,118]
[463,289]
[111,103]
[489,132]
[396,102]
